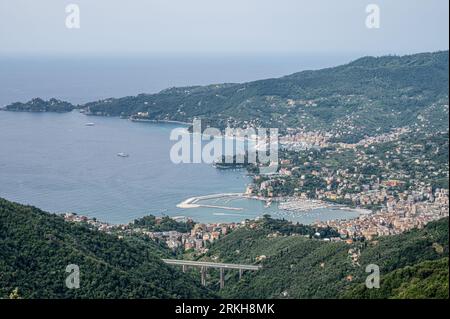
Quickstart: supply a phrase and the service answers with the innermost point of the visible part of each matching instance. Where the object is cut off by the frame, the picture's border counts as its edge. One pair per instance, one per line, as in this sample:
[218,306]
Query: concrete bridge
[205,265]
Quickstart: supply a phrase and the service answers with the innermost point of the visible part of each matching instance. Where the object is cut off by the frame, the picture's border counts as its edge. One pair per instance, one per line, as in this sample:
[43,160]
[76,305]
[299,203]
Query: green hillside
[428,279]
[366,97]
[39,105]
[298,267]
[36,247]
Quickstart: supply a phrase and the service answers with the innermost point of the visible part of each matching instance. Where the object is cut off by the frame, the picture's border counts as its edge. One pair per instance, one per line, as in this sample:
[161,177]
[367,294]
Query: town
[197,239]
[396,181]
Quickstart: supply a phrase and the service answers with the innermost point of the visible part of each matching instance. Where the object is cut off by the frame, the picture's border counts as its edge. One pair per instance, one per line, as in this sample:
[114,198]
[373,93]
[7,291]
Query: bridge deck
[210,264]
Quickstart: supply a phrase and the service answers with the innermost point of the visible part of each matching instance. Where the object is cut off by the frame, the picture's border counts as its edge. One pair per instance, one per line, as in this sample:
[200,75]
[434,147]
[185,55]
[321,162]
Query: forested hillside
[428,279]
[298,267]
[36,247]
[39,105]
[369,96]
[366,97]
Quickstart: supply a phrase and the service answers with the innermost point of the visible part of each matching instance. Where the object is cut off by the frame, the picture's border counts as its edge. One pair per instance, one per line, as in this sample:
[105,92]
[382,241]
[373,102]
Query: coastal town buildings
[399,215]
[197,239]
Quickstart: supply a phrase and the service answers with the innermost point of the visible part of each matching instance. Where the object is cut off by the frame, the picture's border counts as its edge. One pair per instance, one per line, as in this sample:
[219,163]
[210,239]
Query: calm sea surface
[57,163]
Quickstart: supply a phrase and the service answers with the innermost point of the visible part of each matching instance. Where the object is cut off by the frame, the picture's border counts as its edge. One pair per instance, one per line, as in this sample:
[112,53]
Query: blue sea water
[81,79]
[57,163]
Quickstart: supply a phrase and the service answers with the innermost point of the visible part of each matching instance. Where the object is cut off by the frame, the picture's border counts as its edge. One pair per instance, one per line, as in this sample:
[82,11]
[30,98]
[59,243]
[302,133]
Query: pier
[193,201]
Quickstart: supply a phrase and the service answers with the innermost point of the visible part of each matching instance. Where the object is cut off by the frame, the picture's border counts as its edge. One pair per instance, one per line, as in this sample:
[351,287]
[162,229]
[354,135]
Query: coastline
[288,204]
[295,206]
[192,202]
[156,121]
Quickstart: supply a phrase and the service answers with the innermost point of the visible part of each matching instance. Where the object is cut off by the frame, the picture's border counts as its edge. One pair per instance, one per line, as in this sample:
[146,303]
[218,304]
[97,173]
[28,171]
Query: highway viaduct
[205,265]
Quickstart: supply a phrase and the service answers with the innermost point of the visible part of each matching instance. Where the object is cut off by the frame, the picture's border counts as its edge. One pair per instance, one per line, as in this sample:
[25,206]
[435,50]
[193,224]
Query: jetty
[193,202]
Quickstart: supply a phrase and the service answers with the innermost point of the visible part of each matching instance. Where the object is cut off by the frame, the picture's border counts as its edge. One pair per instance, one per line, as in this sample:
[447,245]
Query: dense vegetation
[428,279]
[36,247]
[287,228]
[39,105]
[366,97]
[151,223]
[297,267]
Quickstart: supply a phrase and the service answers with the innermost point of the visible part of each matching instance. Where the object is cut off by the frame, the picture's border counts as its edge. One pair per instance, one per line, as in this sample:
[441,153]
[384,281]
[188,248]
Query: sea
[58,163]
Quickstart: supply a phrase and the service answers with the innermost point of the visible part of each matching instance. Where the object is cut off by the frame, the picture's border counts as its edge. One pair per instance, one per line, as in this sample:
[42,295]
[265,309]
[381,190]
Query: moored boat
[123,154]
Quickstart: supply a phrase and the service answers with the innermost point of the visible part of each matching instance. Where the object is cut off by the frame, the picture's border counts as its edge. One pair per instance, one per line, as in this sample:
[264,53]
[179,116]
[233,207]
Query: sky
[120,27]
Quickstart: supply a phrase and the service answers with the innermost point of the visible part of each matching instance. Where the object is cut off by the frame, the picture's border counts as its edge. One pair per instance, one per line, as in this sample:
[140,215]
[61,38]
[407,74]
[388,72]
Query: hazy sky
[226,26]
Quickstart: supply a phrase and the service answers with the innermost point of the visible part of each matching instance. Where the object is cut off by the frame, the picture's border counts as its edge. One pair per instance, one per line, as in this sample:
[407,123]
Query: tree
[15,294]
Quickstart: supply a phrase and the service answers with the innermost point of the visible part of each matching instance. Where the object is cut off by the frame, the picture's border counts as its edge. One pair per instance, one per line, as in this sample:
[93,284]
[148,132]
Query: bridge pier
[241,272]
[222,279]
[203,274]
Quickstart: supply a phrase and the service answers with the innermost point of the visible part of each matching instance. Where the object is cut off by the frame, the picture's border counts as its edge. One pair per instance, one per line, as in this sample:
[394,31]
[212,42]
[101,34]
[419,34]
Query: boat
[123,155]
[89,124]
[268,203]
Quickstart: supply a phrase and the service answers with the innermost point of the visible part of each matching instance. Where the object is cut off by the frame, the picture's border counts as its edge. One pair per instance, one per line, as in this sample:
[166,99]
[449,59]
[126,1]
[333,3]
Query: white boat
[89,124]
[123,155]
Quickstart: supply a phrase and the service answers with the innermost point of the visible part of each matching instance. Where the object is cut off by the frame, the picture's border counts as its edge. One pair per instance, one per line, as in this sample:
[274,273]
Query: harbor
[290,208]
[193,202]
